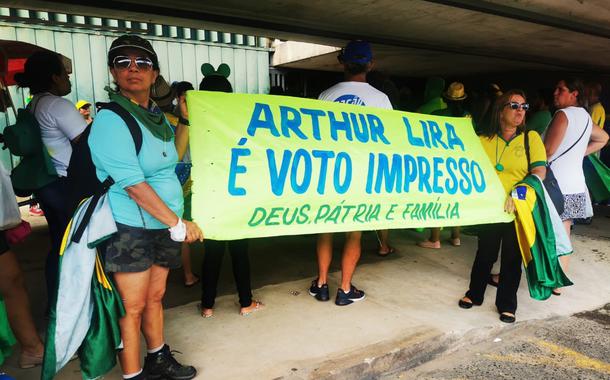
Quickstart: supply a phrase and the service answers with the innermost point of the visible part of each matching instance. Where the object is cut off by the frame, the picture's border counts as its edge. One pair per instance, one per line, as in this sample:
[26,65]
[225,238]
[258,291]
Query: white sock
[132,375]
[157,349]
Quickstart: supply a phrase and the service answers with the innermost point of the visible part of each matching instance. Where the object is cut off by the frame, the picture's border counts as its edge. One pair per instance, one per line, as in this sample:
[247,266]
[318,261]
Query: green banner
[272,165]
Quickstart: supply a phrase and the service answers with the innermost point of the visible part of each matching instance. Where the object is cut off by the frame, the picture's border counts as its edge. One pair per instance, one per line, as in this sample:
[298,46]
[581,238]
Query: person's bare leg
[435,234]
[455,232]
[133,288]
[189,276]
[12,290]
[324,249]
[351,255]
[455,236]
[152,318]
[384,241]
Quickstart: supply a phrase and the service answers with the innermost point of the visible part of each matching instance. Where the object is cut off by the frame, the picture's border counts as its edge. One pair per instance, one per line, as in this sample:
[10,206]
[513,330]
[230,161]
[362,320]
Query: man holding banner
[357,61]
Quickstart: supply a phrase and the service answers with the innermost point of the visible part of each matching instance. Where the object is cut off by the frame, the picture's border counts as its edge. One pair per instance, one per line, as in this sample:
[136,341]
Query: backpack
[82,177]
[23,139]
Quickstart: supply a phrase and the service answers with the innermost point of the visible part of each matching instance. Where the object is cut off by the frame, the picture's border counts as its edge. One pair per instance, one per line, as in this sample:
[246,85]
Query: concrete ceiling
[410,37]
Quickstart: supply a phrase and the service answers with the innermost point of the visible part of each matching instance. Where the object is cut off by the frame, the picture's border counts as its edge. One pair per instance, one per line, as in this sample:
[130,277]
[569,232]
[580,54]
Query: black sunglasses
[122,62]
[516,106]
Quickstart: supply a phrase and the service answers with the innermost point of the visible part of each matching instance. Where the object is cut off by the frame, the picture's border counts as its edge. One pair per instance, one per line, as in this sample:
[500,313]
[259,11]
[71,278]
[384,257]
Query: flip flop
[386,253]
[197,279]
[258,305]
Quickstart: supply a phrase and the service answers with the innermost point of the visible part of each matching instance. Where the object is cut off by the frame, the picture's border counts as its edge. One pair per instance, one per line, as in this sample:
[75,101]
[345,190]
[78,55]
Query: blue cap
[357,51]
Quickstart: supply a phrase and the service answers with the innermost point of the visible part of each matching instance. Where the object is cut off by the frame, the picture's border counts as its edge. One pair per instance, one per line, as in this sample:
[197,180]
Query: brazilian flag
[597,176]
[85,317]
[542,238]
[7,340]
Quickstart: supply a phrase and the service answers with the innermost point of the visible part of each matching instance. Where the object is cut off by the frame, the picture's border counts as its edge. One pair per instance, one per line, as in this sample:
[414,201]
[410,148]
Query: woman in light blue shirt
[146,201]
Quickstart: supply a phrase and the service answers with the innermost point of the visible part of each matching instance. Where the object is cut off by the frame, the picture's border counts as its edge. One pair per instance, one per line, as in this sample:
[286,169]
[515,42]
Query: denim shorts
[135,249]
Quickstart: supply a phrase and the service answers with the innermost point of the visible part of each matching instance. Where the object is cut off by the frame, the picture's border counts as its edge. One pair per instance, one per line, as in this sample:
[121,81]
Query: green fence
[181,52]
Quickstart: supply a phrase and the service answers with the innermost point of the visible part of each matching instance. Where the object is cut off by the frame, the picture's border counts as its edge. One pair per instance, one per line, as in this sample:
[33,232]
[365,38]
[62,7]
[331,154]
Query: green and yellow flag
[7,340]
[85,317]
[542,238]
[597,176]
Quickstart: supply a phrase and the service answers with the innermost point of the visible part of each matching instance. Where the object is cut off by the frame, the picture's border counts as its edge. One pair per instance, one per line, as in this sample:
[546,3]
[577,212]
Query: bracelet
[183,121]
[178,232]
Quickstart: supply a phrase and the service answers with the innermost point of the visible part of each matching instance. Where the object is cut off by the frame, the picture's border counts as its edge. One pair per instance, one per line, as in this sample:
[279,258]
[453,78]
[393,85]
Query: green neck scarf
[153,121]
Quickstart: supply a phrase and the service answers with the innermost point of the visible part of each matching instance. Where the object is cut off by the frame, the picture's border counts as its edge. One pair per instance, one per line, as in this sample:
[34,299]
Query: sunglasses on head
[122,62]
[516,106]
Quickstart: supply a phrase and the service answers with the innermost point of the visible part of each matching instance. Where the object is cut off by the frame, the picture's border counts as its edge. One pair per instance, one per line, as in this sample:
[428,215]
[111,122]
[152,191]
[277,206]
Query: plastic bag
[9,210]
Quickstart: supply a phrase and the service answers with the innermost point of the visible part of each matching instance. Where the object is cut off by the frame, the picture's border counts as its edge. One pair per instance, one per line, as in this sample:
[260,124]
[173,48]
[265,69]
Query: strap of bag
[573,145]
[136,134]
[527,148]
[128,118]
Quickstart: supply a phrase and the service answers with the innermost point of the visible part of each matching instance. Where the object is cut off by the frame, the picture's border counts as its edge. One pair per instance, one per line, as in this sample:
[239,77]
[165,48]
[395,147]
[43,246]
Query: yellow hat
[81,103]
[455,91]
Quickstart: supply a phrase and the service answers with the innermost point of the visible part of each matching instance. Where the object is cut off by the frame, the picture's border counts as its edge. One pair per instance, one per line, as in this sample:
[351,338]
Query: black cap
[135,42]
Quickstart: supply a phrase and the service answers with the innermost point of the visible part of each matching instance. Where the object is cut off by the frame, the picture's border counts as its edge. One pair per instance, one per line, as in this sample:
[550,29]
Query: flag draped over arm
[542,238]
[88,307]
[597,176]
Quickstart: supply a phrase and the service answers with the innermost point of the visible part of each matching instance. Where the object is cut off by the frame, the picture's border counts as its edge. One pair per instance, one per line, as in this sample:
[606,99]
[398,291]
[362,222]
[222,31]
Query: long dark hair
[576,84]
[39,70]
[496,113]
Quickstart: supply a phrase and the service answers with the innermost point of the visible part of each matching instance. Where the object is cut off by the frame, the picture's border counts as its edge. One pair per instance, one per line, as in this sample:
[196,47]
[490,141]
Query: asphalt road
[577,347]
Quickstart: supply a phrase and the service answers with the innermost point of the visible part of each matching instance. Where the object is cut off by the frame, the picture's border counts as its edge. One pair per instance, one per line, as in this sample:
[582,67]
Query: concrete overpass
[411,37]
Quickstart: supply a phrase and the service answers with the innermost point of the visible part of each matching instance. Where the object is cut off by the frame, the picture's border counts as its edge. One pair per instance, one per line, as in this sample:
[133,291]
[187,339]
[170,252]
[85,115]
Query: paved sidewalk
[410,312]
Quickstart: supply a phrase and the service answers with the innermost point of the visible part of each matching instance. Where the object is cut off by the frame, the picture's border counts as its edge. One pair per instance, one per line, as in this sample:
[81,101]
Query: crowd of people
[151,188]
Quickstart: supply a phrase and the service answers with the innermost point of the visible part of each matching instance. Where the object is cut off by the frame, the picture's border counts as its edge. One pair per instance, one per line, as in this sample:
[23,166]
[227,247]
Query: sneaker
[354,295]
[163,365]
[35,210]
[320,292]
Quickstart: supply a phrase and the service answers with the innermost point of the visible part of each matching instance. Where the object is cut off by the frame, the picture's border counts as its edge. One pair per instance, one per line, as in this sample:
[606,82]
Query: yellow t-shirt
[598,114]
[511,158]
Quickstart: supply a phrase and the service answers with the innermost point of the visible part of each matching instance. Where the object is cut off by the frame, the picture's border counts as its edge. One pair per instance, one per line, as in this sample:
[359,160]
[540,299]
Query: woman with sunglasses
[570,137]
[146,201]
[504,143]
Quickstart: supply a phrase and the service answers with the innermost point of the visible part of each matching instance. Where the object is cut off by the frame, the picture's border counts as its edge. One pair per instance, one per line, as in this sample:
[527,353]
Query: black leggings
[53,200]
[210,270]
[490,240]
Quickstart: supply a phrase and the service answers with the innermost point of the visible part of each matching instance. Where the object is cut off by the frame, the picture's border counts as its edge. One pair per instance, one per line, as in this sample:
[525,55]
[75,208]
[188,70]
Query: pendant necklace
[499,167]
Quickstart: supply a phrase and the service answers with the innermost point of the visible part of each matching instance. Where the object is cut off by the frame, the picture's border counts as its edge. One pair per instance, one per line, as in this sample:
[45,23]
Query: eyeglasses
[122,62]
[516,106]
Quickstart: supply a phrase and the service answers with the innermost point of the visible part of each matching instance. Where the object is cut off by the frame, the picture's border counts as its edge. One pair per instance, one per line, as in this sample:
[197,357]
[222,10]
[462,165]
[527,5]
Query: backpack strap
[526,139]
[132,124]
[136,134]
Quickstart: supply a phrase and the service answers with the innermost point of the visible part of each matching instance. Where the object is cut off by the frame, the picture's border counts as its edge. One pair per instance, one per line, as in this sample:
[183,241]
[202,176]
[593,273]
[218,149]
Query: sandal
[430,244]
[205,313]
[386,253]
[191,284]
[254,306]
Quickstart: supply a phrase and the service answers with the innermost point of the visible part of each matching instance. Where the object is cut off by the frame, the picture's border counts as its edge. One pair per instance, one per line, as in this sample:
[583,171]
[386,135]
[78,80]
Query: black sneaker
[321,293]
[352,296]
[163,365]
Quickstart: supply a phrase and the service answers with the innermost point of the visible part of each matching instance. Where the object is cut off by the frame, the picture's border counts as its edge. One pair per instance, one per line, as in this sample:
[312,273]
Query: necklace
[499,166]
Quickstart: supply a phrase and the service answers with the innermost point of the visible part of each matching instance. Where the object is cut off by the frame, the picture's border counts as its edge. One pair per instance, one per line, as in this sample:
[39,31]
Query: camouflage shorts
[135,249]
